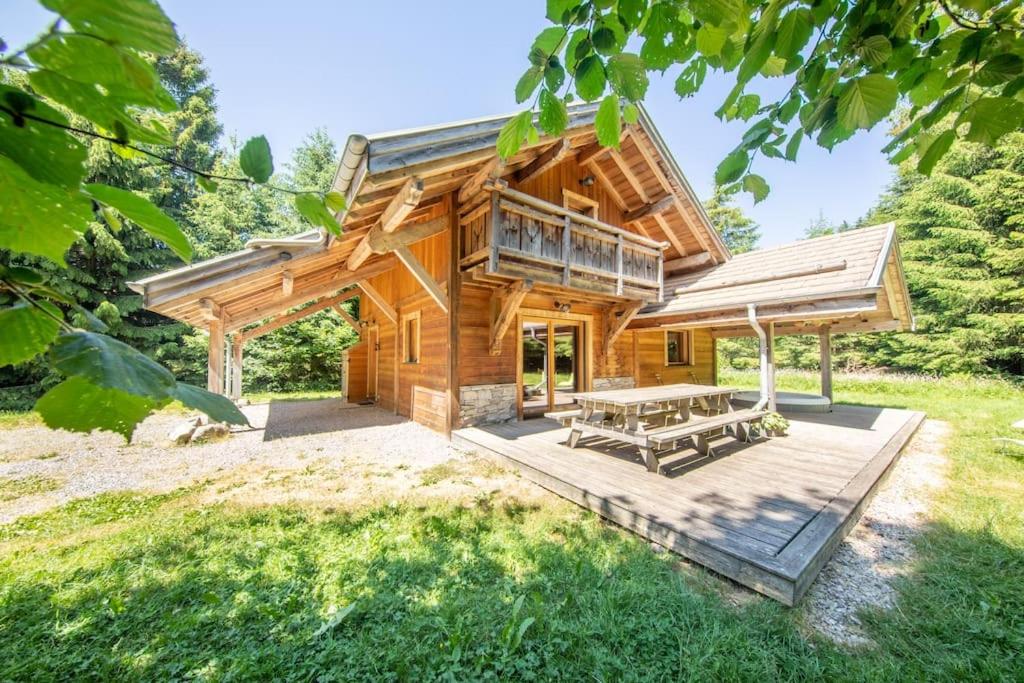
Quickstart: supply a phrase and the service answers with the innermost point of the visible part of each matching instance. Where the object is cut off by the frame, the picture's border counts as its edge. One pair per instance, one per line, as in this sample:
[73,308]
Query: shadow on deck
[767,514]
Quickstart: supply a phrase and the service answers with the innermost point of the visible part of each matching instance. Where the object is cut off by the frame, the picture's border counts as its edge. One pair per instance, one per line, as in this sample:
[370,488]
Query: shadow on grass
[222,593]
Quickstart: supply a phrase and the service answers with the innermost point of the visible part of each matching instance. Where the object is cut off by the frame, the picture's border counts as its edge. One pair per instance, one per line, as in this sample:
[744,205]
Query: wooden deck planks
[767,514]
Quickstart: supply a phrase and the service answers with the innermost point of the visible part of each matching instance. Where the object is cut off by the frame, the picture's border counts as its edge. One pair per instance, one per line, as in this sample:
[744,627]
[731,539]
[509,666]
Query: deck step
[670,434]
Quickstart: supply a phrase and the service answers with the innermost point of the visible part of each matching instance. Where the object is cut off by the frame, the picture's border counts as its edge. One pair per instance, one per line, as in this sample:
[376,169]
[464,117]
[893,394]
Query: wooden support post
[505,303]
[567,250]
[407,198]
[770,365]
[237,347]
[547,159]
[490,170]
[352,322]
[497,232]
[423,276]
[454,303]
[825,343]
[616,320]
[373,295]
[215,358]
[618,266]
[287,283]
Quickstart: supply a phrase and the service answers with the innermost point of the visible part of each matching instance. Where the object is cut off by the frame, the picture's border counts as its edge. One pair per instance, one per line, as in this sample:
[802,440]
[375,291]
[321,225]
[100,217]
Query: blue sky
[285,67]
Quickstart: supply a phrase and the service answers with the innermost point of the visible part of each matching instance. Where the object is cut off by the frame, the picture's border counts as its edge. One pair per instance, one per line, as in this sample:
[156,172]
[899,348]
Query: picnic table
[653,418]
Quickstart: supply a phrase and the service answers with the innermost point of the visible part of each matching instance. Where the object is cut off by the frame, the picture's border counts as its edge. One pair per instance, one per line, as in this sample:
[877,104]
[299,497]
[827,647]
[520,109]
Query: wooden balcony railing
[518,235]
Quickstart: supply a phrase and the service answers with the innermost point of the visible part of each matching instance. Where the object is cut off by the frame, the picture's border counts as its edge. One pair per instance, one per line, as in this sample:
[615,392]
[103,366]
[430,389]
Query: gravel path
[880,547]
[295,450]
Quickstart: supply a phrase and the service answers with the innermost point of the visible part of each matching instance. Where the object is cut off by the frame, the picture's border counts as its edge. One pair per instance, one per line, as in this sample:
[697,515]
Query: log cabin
[493,289]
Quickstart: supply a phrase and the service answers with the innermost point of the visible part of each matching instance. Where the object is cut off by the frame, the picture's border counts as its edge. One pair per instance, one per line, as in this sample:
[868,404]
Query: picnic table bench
[657,418]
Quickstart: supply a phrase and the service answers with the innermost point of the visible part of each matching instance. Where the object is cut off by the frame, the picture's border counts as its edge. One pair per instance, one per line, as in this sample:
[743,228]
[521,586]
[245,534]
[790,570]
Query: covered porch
[767,515]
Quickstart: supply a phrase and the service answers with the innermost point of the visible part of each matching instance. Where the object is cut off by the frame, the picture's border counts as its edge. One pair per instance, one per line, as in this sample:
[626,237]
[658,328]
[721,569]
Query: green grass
[306,395]
[13,488]
[562,379]
[129,586]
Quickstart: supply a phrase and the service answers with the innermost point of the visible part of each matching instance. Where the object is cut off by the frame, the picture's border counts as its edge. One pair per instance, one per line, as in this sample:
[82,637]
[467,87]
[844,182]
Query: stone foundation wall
[486,403]
[609,383]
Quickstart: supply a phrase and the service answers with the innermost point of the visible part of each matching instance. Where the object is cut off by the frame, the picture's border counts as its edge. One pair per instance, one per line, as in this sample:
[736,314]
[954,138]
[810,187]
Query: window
[677,347]
[580,204]
[411,337]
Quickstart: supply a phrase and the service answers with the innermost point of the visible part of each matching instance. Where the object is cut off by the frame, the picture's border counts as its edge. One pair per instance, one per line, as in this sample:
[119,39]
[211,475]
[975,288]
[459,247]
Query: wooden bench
[564,417]
[699,429]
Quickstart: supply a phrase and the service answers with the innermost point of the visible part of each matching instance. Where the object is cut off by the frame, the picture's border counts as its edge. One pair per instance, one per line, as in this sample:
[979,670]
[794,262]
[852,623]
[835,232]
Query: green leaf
[79,406]
[790,108]
[628,76]
[89,60]
[631,13]
[111,364]
[756,185]
[590,78]
[875,50]
[793,33]
[691,78]
[335,201]
[39,218]
[732,167]
[793,146]
[560,11]
[145,214]
[711,40]
[256,160]
[630,113]
[608,122]
[936,150]
[747,106]
[1002,68]
[867,100]
[513,133]
[135,23]
[207,184]
[27,332]
[110,216]
[111,109]
[608,35]
[760,44]
[928,89]
[554,75]
[311,207]
[48,154]
[218,408]
[991,118]
[550,41]
[528,83]
[554,117]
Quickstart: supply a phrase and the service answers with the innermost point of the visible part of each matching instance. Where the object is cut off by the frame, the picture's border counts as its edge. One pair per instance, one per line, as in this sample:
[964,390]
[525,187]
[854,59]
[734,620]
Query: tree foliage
[92,78]
[739,232]
[847,65]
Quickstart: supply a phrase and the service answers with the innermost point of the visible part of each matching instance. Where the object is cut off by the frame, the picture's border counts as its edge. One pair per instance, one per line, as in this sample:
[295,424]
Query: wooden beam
[210,310]
[825,348]
[591,152]
[549,158]
[379,242]
[670,234]
[237,347]
[288,318]
[492,168]
[215,358]
[373,295]
[688,262]
[338,281]
[609,187]
[631,178]
[347,317]
[423,276]
[287,283]
[454,314]
[657,207]
[404,202]
[616,321]
[505,302]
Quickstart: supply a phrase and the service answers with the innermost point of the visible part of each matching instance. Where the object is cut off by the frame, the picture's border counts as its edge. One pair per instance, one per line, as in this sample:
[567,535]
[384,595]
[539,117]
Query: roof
[373,169]
[854,278]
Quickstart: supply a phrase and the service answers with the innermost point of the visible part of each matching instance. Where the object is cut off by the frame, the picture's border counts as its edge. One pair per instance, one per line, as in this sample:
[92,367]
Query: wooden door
[372,347]
[551,363]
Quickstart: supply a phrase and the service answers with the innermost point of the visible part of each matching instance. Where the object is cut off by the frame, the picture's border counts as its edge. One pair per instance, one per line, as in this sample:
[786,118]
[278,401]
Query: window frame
[415,343]
[685,348]
[582,204]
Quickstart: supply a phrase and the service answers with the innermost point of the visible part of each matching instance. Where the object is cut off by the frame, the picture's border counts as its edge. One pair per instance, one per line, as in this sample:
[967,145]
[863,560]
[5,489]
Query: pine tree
[962,236]
[739,232]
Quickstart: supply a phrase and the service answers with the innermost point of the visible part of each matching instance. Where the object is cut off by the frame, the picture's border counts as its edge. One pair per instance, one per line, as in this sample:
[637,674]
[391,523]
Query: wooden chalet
[492,291]
[598,263]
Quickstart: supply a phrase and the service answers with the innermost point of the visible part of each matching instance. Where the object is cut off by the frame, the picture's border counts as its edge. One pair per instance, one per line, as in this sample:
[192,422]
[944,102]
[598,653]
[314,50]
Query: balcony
[516,235]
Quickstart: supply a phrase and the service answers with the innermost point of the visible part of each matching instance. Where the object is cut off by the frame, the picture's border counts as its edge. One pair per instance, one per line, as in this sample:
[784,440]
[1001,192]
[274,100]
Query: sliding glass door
[551,364]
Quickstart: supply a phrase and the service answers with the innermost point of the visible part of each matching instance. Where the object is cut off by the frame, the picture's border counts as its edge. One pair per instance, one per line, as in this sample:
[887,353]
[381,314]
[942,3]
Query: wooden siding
[650,359]
[429,407]
[354,373]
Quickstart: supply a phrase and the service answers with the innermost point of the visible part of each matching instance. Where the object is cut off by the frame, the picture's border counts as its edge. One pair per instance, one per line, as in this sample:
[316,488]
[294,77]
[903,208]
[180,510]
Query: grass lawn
[156,587]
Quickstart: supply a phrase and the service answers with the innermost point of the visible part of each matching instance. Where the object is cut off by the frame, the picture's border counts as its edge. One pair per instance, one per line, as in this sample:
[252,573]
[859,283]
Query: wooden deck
[767,515]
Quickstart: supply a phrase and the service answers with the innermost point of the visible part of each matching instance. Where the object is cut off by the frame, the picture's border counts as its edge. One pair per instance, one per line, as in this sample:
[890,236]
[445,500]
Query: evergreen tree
[739,232]
[962,236]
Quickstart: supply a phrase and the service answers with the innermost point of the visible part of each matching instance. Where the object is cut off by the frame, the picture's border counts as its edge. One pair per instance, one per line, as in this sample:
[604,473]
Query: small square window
[411,337]
[677,347]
